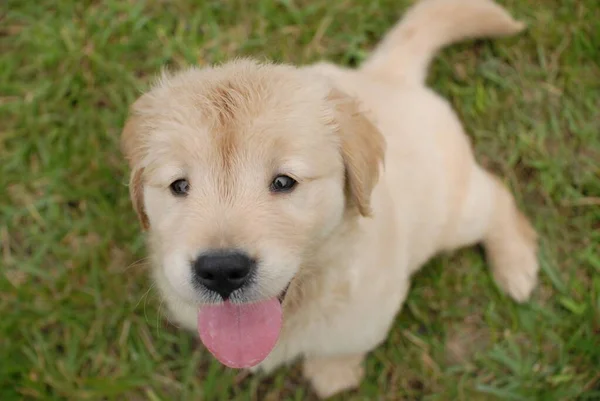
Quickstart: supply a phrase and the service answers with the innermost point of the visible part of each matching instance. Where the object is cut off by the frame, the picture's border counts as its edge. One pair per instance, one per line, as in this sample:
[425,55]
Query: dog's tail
[406,51]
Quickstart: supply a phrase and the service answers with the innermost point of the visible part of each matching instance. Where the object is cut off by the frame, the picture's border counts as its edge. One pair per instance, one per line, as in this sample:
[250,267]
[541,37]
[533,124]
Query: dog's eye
[180,187]
[283,183]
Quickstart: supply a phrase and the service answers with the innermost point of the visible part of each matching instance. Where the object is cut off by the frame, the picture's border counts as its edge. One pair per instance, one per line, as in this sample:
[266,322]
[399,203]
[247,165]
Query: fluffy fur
[351,234]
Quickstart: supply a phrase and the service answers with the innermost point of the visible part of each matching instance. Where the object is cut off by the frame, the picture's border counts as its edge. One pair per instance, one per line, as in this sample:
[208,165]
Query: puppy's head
[239,172]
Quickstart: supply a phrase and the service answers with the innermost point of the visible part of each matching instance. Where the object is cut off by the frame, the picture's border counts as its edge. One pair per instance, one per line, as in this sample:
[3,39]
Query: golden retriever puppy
[275,231]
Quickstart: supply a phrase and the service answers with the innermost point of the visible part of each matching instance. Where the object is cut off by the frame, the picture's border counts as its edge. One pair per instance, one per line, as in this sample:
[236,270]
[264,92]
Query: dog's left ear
[362,147]
[131,148]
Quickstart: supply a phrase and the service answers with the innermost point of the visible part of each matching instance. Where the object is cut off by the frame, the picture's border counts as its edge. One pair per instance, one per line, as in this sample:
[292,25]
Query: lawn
[80,319]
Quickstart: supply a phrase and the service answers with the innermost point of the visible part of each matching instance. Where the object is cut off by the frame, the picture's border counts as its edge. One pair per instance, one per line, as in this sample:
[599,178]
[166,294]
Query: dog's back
[426,143]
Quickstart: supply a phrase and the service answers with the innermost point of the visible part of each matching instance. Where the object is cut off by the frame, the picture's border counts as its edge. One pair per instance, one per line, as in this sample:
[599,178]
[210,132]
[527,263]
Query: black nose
[223,271]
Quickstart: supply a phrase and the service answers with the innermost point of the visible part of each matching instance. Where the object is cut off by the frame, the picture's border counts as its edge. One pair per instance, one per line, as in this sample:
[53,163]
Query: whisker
[158,316]
[144,295]
[146,302]
[143,262]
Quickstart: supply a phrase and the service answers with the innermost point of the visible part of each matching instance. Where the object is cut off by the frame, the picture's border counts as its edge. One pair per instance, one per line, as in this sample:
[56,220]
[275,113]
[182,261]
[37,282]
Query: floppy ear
[363,150]
[130,146]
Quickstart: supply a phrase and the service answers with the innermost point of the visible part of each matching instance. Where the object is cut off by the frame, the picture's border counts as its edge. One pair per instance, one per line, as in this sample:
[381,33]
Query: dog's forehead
[248,113]
[239,92]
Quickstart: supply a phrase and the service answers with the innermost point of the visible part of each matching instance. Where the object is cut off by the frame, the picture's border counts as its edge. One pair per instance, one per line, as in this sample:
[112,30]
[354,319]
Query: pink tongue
[240,335]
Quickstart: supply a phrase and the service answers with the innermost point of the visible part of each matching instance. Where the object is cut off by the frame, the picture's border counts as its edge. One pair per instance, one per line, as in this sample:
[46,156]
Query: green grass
[78,320]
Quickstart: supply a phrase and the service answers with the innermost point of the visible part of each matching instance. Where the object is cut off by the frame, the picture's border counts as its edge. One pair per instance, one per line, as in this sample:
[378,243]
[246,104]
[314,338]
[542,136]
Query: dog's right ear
[132,149]
[362,149]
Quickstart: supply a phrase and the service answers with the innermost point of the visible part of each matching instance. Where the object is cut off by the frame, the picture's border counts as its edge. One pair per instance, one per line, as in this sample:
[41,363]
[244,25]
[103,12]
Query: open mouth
[241,335]
[281,296]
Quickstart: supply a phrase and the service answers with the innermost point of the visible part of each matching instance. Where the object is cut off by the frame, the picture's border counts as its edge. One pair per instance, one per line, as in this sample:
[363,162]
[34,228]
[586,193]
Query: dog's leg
[331,375]
[511,246]
[489,215]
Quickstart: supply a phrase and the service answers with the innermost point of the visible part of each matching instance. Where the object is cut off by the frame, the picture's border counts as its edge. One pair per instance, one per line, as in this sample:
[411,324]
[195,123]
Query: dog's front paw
[520,279]
[514,260]
[330,376]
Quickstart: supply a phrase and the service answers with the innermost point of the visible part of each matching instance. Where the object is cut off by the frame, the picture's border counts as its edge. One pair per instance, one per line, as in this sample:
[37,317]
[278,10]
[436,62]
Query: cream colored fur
[351,234]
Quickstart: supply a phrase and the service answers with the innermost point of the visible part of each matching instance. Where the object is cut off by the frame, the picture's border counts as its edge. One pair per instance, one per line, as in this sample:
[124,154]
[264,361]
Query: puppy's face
[240,172]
